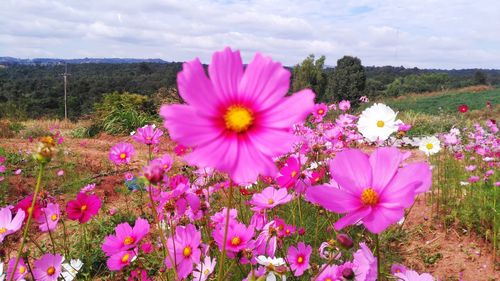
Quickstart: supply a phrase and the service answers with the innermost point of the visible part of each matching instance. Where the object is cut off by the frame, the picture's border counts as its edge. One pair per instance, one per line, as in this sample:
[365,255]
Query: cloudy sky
[423,33]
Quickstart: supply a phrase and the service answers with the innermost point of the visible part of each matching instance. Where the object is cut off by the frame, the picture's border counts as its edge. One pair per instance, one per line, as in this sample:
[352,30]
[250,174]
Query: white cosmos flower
[430,145]
[2,276]
[271,264]
[203,270]
[70,270]
[377,122]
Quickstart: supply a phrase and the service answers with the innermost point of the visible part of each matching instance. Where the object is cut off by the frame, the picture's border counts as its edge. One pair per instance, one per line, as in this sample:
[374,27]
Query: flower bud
[348,273]
[154,172]
[345,241]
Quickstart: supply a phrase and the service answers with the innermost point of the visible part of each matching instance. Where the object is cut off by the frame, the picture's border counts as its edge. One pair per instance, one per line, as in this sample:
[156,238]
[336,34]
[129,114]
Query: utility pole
[65,75]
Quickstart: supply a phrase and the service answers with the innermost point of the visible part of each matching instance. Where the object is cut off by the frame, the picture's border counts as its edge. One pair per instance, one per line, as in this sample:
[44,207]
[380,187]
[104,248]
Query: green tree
[347,82]
[479,78]
[309,74]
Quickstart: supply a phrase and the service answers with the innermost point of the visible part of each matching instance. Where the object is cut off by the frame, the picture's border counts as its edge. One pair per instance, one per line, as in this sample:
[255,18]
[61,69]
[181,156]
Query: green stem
[28,222]
[377,244]
[226,227]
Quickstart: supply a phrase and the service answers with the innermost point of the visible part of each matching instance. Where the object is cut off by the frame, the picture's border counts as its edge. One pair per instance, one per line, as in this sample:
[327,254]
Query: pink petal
[380,218]
[226,70]
[385,163]
[289,110]
[352,218]
[333,199]
[351,169]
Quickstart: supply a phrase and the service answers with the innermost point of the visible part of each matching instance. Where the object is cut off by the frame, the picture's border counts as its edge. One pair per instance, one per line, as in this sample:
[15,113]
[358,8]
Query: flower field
[245,181]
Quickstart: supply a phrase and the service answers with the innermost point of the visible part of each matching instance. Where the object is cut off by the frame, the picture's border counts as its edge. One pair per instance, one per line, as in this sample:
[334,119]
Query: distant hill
[56,61]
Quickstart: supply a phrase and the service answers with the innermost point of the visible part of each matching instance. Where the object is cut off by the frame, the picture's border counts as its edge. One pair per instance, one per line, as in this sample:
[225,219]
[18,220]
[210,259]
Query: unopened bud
[345,241]
[348,273]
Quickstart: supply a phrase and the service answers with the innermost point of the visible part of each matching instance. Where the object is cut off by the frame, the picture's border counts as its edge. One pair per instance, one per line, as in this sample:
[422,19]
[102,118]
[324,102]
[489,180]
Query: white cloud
[438,34]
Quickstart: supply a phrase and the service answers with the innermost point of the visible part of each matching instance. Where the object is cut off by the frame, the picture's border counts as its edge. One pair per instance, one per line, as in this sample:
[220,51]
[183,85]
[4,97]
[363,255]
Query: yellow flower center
[128,240]
[380,123]
[369,197]
[125,258]
[123,155]
[300,260]
[238,118]
[270,201]
[83,208]
[187,251]
[429,146]
[236,241]
[3,230]
[22,269]
[287,231]
[321,111]
[206,272]
[53,217]
[29,210]
[328,279]
[294,173]
[51,270]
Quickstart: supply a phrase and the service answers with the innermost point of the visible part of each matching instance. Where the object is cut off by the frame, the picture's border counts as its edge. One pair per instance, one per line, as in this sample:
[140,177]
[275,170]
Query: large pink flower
[83,208]
[238,119]
[126,237]
[372,189]
[48,267]
[238,236]
[185,250]
[9,225]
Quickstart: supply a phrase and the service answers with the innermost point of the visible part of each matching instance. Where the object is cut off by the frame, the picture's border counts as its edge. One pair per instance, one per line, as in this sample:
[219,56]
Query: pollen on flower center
[369,197]
[206,272]
[3,230]
[238,118]
[270,201]
[123,155]
[29,210]
[380,123]
[51,270]
[83,208]
[53,217]
[187,251]
[429,146]
[300,259]
[128,240]
[294,173]
[321,111]
[125,258]
[22,269]
[236,241]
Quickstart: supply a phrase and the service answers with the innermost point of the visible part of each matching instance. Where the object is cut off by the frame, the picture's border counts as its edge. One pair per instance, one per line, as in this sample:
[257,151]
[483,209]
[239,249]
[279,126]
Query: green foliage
[347,82]
[13,110]
[310,74]
[418,84]
[122,113]
[480,78]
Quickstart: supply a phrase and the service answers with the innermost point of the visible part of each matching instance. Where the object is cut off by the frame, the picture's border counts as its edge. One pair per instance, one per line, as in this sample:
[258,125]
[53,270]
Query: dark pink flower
[83,208]
[125,237]
[298,258]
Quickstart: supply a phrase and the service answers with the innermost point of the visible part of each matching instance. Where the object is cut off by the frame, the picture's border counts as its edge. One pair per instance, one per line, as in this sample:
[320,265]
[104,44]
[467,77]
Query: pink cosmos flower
[2,169]
[398,268]
[2,159]
[330,273]
[410,275]
[148,135]
[83,208]
[364,99]
[219,218]
[18,172]
[365,264]
[48,267]
[289,173]
[167,161]
[119,260]
[25,205]
[269,198]
[60,173]
[238,236]
[320,111]
[267,240]
[125,237]
[344,105]
[242,118]
[298,258]
[49,218]
[180,150]
[184,249]
[88,188]
[372,189]
[21,270]
[203,270]
[121,153]
[8,225]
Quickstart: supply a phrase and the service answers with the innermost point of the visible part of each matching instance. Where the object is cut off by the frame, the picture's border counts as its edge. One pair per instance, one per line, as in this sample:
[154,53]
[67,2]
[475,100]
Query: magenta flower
[330,273]
[9,225]
[184,249]
[148,135]
[238,236]
[83,208]
[49,218]
[365,264]
[125,237]
[121,153]
[298,258]
[410,275]
[88,188]
[242,118]
[398,268]
[320,111]
[119,260]
[269,198]
[167,162]
[372,189]
[25,205]
[290,173]
[48,267]
[21,270]
[344,105]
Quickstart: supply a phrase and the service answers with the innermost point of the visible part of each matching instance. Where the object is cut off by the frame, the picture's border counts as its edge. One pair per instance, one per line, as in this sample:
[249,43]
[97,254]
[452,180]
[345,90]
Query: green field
[445,102]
